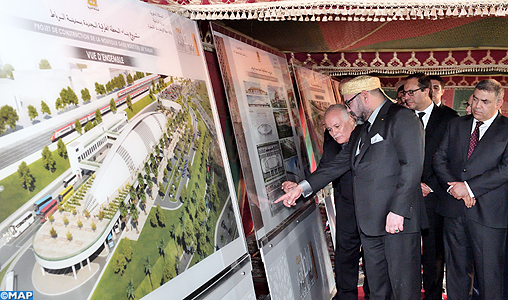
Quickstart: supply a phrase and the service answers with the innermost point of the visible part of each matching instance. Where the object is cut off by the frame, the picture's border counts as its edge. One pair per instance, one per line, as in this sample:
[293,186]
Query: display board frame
[266,123]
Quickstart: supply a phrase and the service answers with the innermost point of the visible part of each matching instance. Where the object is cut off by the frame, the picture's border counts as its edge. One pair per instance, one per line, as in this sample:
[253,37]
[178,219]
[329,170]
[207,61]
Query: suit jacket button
[464,170]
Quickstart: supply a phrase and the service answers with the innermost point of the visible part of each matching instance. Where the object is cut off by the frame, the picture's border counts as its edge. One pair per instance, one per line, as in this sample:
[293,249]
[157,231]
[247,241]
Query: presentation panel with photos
[265,120]
[114,180]
[297,262]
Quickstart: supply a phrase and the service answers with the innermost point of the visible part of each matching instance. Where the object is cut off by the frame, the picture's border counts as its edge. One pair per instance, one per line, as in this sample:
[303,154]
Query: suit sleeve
[440,161]
[330,170]
[409,142]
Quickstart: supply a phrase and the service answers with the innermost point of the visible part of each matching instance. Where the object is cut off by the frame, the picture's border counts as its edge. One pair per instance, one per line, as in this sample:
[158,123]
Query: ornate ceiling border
[394,62]
[329,10]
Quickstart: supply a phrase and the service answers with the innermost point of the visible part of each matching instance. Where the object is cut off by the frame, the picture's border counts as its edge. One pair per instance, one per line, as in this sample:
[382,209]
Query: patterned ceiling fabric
[474,32]
[355,35]
[484,33]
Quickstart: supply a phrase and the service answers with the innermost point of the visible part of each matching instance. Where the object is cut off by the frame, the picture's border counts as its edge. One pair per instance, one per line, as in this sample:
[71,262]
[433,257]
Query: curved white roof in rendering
[128,153]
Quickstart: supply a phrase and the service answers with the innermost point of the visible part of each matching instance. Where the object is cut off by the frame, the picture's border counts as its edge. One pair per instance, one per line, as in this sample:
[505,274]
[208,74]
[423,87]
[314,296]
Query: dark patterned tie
[363,134]
[475,138]
[420,115]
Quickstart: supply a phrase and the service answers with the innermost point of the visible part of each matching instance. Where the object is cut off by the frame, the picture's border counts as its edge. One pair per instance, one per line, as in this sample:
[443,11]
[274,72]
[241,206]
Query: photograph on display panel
[265,115]
[316,94]
[297,261]
[112,157]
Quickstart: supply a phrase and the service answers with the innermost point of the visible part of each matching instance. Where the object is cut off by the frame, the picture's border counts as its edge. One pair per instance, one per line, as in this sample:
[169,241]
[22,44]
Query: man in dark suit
[473,160]
[437,88]
[386,160]
[417,94]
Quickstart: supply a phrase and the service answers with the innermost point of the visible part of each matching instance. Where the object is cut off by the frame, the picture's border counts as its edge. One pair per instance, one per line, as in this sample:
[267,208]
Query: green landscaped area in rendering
[145,246]
[138,106]
[190,227]
[203,94]
[14,195]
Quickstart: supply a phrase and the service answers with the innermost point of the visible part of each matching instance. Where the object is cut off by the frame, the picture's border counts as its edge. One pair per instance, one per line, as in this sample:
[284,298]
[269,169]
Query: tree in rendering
[27,179]
[69,235]
[142,199]
[120,265]
[32,112]
[141,180]
[161,247]
[59,104]
[85,95]
[130,80]
[68,96]
[47,160]
[52,232]
[131,290]
[89,126]
[129,102]
[100,89]
[161,218]
[78,127]
[61,149]
[127,249]
[6,71]
[8,117]
[135,214]
[148,269]
[112,105]
[123,211]
[45,108]
[44,64]
[98,116]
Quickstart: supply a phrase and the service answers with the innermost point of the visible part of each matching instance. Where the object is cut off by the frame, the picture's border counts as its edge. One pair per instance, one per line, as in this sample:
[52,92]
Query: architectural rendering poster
[265,120]
[316,94]
[302,253]
[113,174]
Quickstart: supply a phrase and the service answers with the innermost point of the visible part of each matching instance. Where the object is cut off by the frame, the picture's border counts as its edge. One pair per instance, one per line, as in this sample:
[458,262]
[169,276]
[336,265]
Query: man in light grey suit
[385,155]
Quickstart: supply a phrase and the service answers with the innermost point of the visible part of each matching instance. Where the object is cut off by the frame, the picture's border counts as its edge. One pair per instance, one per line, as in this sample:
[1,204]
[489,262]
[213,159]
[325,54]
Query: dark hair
[491,86]
[423,81]
[438,78]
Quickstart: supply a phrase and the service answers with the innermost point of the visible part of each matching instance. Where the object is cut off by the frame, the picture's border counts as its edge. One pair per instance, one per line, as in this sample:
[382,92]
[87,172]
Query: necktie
[475,138]
[420,115]
[363,134]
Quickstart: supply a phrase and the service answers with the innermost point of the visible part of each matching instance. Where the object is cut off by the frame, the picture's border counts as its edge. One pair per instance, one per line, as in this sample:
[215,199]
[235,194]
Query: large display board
[300,250]
[266,123]
[114,178]
[317,93]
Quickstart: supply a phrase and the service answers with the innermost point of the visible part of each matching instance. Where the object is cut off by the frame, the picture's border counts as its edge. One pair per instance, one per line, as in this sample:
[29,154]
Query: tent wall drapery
[394,62]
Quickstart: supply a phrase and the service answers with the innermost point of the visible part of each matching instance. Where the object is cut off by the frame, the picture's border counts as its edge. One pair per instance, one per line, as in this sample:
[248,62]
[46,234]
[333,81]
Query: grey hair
[340,108]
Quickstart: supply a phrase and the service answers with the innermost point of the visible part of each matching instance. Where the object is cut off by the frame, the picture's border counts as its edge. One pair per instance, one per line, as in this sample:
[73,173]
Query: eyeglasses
[346,103]
[410,92]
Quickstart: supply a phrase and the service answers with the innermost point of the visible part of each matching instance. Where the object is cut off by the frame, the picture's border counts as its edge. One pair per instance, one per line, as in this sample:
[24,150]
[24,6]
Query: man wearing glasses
[385,156]
[418,96]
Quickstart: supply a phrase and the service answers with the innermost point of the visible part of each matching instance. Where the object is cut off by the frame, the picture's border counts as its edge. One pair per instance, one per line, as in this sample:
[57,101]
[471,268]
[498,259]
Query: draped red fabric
[358,34]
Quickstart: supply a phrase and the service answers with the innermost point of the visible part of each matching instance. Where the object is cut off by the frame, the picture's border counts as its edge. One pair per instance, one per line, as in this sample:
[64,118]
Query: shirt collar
[374,114]
[487,122]
[428,110]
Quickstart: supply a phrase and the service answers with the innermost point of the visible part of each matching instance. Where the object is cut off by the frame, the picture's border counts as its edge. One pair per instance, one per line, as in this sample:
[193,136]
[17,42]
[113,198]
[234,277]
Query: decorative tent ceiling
[395,37]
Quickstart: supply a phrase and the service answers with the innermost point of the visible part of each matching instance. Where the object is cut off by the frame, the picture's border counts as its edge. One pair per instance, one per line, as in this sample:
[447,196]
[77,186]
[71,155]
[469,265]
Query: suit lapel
[488,136]
[434,120]
[464,135]
[378,123]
